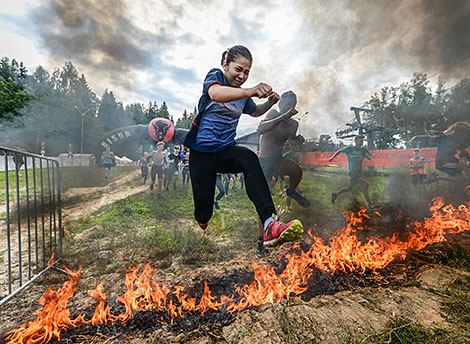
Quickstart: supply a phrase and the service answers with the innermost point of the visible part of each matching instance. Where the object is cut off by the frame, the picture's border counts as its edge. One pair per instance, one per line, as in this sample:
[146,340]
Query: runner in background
[144,169]
[451,143]
[356,155]
[417,172]
[171,173]
[294,155]
[156,160]
[108,158]
[185,171]
[275,130]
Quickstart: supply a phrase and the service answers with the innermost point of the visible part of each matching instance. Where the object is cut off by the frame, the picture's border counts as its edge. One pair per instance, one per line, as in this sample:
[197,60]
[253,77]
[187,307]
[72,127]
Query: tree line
[48,107]
[413,108]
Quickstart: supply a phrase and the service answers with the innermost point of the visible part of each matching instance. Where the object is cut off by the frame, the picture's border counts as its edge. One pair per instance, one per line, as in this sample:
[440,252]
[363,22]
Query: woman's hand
[261,90]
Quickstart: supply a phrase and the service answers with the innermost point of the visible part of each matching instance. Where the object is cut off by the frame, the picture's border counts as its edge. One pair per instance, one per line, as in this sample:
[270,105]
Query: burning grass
[173,306]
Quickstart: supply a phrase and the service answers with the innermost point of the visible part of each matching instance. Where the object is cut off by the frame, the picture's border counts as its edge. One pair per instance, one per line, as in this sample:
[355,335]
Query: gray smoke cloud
[95,33]
[99,37]
[358,46]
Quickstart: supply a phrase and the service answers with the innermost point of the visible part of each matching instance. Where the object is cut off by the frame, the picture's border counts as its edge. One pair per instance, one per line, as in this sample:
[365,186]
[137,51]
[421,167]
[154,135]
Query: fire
[343,252]
[54,318]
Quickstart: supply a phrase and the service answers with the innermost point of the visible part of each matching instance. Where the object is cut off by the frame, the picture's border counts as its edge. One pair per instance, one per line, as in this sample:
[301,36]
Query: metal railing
[30,220]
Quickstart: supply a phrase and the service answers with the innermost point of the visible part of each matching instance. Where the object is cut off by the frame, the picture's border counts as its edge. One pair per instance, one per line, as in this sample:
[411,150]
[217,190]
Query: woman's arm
[225,94]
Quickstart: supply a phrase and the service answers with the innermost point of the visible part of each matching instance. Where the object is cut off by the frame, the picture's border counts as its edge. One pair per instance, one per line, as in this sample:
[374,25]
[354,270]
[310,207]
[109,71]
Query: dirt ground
[321,319]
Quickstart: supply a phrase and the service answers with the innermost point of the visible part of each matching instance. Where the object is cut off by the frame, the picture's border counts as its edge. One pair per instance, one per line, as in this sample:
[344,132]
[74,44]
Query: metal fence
[30,218]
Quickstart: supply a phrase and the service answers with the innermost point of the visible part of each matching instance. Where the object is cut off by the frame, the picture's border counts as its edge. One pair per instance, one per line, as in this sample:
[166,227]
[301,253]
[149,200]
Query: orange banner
[380,158]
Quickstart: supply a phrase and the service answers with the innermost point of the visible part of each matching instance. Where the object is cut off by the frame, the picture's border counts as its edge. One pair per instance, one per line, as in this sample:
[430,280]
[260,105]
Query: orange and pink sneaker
[283,232]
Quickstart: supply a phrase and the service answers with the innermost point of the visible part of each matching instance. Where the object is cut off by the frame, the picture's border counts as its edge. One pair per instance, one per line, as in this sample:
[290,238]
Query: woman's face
[237,71]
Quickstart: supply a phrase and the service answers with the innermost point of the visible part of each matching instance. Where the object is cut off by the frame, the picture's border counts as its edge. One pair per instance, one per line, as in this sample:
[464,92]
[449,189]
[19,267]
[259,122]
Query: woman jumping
[213,147]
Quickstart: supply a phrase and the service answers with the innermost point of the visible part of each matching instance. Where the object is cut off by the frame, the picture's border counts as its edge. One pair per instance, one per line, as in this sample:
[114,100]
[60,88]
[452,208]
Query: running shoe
[151,186]
[283,232]
[202,225]
[216,205]
[303,201]
[334,196]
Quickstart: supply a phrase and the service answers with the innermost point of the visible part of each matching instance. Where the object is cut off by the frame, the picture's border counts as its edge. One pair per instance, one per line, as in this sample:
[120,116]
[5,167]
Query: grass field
[83,176]
[142,228]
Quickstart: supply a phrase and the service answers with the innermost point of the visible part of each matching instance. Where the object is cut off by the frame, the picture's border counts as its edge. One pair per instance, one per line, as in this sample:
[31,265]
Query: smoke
[114,41]
[94,33]
[354,48]
[339,54]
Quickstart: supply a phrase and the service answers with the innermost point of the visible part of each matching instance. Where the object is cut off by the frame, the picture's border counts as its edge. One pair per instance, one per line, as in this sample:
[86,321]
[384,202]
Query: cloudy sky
[333,54]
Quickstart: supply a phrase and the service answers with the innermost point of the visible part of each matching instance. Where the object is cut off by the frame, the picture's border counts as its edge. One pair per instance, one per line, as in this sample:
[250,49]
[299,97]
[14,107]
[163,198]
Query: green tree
[12,99]
[111,112]
[13,95]
[136,112]
[186,119]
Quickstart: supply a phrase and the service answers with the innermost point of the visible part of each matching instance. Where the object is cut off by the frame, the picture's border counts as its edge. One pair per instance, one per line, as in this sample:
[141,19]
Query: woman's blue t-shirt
[217,129]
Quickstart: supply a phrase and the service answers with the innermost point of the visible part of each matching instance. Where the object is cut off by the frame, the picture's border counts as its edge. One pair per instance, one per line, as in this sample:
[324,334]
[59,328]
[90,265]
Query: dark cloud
[95,33]
[101,38]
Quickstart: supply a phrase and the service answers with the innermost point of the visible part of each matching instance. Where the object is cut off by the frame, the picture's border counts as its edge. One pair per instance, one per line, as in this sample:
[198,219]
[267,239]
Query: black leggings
[235,159]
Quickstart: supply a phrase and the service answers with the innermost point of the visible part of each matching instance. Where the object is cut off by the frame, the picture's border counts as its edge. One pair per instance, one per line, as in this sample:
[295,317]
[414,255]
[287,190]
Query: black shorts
[108,165]
[448,166]
[418,178]
[156,169]
[270,167]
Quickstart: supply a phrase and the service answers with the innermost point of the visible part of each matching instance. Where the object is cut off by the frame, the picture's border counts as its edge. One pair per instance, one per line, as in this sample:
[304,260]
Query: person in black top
[172,171]
[185,171]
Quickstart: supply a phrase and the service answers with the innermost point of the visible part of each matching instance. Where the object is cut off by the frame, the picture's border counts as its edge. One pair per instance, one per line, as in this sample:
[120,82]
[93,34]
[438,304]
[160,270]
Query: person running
[140,152]
[171,173]
[450,143]
[220,186]
[214,150]
[156,161]
[294,155]
[185,170]
[144,168]
[108,159]
[356,155]
[417,171]
[275,129]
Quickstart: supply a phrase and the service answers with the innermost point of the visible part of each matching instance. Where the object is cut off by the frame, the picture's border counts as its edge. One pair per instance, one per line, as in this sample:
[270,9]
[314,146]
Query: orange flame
[343,252]
[54,318]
